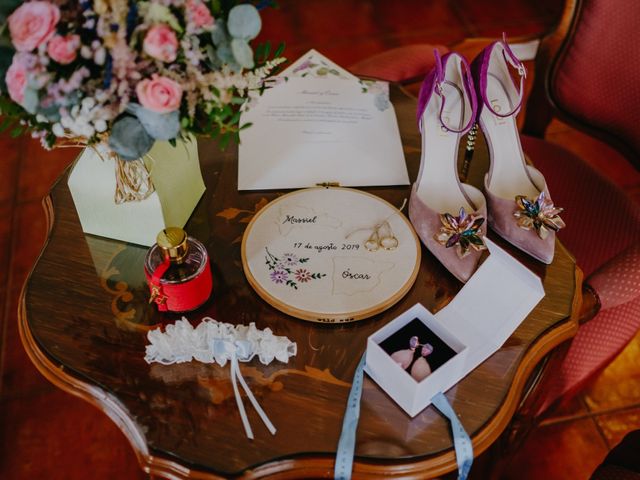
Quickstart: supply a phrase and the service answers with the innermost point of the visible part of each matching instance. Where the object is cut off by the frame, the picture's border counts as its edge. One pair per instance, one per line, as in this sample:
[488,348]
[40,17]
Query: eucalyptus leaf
[133,107]
[225,55]
[242,52]
[212,57]
[129,139]
[244,22]
[52,112]
[30,100]
[219,34]
[161,126]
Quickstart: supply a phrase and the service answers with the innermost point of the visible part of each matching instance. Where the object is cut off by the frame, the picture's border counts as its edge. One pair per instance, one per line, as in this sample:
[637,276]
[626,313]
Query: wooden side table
[84,316]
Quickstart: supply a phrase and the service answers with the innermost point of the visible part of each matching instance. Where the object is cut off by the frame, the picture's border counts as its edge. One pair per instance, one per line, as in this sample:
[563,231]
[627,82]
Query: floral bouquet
[125,73]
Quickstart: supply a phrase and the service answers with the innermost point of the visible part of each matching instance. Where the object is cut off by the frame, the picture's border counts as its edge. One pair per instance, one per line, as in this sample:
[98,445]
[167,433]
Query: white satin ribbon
[234,351]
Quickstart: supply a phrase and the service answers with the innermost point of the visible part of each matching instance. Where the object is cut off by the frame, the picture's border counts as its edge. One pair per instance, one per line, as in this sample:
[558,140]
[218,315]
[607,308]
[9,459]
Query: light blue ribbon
[347,442]
[461,441]
[346,445]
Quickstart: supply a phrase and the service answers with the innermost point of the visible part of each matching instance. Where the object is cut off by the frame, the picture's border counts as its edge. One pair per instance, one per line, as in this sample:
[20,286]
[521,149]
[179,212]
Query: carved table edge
[300,466]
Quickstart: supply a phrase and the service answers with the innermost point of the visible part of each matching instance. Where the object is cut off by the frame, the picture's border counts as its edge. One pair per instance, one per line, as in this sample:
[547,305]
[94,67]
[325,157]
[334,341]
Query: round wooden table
[84,315]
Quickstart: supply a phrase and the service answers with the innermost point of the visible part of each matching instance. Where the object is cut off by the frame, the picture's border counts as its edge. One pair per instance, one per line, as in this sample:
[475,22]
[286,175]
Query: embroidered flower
[289,259]
[462,231]
[540,214]
[279,276]
[281,269]
[303,275]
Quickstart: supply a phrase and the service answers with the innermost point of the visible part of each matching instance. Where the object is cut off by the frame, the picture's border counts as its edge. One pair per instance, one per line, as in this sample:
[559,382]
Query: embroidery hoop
[263,233]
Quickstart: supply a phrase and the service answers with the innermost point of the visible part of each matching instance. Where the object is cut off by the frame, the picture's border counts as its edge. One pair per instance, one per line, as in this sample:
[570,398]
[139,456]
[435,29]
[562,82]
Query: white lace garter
[216,342]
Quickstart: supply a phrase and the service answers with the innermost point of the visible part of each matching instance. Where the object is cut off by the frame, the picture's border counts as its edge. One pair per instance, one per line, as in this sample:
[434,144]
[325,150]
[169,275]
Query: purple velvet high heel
[520,207]
[448,216]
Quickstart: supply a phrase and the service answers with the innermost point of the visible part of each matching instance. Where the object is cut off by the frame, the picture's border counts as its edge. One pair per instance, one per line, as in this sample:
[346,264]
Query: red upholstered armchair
[587,73]
[588,76]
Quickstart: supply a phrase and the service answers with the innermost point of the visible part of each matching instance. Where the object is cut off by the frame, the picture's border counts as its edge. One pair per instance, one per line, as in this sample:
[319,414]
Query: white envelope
[312,59]
[320,124]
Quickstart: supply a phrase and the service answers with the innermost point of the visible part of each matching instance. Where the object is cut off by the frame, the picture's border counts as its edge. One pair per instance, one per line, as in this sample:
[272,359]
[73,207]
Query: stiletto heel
[520,207]
[468,152]
[447,215]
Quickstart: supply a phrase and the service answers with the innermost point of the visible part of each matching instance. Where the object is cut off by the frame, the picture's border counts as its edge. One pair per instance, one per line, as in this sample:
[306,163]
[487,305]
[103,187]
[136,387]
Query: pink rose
[16,79]
[33,23]
[160,94]
[161,43]
[64,50]
[199,14]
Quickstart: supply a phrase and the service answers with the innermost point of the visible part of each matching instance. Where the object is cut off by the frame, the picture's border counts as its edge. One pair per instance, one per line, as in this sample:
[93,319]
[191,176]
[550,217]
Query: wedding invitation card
[318,123]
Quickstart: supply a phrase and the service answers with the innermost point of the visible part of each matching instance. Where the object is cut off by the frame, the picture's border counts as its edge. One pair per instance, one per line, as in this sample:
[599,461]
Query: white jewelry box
[398,383]
[481,317]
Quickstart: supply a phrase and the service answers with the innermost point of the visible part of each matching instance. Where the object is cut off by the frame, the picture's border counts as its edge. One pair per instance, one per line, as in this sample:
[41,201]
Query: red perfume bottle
[178,271]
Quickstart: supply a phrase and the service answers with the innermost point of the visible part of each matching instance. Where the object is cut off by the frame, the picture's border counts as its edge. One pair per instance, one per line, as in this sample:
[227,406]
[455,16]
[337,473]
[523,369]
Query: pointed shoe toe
[429,226]
[508,218]
[520,208]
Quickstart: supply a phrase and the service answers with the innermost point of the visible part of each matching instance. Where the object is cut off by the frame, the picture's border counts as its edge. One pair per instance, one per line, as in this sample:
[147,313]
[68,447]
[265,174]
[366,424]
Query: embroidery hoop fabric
[298,250]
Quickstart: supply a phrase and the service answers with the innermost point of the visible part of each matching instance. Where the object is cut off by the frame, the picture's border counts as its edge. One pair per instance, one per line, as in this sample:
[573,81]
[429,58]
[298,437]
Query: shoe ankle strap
[513,61]
[467,87]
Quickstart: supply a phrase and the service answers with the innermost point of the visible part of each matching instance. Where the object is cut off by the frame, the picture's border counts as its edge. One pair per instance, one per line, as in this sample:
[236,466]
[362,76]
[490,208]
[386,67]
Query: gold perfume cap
[173,244]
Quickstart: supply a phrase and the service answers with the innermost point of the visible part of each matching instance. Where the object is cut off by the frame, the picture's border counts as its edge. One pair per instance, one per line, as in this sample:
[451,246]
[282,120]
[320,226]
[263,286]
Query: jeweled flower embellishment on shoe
[540,215]
[462,232]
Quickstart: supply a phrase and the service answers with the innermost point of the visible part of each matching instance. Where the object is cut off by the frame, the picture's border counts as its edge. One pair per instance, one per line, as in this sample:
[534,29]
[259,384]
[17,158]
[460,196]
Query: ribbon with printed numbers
[346,445]
[347,442]
[461,441]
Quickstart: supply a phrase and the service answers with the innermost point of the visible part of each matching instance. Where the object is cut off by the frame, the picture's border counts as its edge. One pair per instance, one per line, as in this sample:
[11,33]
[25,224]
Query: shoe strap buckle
[438,88]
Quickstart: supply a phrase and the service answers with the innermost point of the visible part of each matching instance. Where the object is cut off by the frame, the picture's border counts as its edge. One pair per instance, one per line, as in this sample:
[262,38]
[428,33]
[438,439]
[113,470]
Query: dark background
[400,341]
